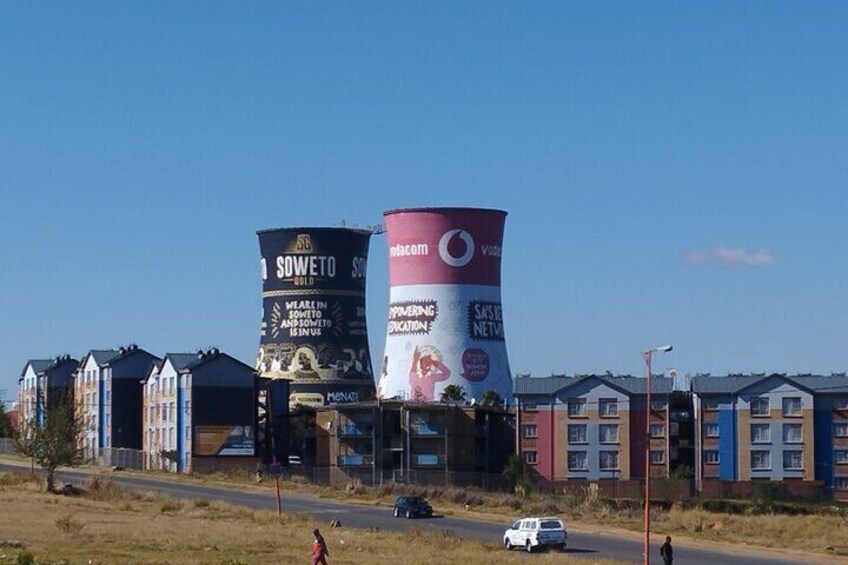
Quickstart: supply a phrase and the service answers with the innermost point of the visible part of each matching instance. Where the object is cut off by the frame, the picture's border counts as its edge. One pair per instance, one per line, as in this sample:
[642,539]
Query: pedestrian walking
[319,549]
[667,552]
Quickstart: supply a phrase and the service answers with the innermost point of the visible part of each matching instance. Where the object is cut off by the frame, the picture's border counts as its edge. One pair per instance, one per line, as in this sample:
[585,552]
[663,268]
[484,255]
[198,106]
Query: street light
[646,355]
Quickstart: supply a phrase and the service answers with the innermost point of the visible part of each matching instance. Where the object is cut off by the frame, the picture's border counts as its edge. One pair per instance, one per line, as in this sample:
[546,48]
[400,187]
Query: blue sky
[673,172]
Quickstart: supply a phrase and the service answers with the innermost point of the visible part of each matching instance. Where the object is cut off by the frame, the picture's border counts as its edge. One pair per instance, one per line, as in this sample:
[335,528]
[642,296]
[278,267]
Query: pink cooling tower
[445,319]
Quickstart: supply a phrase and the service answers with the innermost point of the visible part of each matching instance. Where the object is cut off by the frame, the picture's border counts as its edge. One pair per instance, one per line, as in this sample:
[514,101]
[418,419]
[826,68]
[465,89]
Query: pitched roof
[38,365]
[628,384]
[102,356]
[181,360]
[733,384]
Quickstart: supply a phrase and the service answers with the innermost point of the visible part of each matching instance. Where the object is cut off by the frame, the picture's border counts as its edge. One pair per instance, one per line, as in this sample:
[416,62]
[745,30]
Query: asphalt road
[580,542]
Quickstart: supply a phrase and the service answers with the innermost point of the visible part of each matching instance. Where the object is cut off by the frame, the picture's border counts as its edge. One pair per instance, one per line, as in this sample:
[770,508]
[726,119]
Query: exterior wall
[28,397]
[776,390]
[124,398]
[152,416]
[592,392]
[167,410]
[88,402]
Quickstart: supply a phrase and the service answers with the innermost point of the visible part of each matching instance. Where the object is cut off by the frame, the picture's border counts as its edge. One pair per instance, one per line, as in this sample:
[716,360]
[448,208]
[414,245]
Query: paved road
[364,516]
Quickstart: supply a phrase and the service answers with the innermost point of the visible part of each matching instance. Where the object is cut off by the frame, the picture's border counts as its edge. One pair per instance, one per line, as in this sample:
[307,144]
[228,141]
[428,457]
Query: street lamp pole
[646,355]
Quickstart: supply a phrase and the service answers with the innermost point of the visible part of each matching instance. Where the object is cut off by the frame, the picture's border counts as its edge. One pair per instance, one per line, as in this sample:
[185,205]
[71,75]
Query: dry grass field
[106,523]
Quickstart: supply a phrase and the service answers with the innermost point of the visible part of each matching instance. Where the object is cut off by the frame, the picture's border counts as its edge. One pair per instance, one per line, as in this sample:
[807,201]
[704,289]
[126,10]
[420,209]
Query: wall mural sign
[445,321]
[313,301]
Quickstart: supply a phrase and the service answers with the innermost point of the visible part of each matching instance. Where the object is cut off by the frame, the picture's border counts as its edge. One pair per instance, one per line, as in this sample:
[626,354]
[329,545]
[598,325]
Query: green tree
[5,424]
[55,441]
[491,398]
[453,393]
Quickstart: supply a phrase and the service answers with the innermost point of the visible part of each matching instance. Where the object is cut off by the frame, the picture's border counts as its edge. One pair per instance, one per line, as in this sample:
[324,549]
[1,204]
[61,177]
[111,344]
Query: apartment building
[91,399]
[413,441]
[776,427]
[199,412]
[593,428]
[29,402]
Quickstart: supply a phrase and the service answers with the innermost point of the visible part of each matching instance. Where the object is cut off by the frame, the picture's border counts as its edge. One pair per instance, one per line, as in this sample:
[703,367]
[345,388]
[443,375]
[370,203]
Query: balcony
[427,459]
[355,460]
[427,429]
[352,429]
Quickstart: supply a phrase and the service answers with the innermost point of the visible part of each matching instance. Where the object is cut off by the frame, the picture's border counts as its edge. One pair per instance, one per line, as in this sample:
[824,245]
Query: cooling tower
[313,313]
[445,320]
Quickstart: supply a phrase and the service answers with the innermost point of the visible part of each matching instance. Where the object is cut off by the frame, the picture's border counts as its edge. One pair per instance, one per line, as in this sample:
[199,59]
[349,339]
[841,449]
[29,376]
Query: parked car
[412,507]
[536,533]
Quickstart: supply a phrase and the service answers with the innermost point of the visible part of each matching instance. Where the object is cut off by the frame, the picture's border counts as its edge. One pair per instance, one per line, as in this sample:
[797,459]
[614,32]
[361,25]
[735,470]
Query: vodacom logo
[445,253]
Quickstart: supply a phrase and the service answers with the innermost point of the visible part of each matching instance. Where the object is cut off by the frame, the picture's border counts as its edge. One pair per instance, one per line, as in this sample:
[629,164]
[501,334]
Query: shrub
[170,506]
[201,502]
[25,558]
[68,525]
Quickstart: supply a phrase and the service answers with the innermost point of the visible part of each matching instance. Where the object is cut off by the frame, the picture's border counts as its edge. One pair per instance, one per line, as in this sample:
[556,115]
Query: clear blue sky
[673,172]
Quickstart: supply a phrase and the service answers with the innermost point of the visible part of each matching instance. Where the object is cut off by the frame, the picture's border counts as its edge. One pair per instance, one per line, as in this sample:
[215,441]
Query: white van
[533,533]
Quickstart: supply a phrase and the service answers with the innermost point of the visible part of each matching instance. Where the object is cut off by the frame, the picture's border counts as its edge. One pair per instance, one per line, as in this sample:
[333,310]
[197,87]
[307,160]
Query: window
[608,407]
[608,460]
[577,461]
[529,430]
[172,440]
[760,460]
[840,483]
[709,404]
[791,433]
[840,403]
[188,433]
[576,407]
[529,405]
[841,429]
[530,457]
[760,433]
[792,406]
[608,433]
[657,430]
[658,405]
[792,460]
[657,457]
[164,414]
[710,457]
[577,433]
[760,406]
[840,456]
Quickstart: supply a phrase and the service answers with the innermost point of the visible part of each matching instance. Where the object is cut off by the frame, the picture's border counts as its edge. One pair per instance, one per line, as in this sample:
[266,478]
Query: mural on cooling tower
[313,301]
[445,321]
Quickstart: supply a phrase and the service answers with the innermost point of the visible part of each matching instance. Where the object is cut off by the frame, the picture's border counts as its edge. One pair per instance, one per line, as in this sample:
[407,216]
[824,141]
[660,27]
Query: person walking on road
[667,552]
[319,549]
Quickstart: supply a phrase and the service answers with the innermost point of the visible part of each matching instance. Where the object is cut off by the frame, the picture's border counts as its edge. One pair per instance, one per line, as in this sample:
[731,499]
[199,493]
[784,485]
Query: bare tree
[5,422]
[54,440]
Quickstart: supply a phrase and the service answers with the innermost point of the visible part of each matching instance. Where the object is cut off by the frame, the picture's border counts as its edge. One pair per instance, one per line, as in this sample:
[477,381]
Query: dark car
[412,507]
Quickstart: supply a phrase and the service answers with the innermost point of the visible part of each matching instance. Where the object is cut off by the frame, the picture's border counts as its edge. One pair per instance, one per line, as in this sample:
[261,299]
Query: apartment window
[760,406]
[792,406]
[760,460]
[760,433]
[188,433]
[658,405]
[608,460]
[657,430]
[608,433]
[792,460]
[172,438]
[840,402]
[528,406]
[165,414]
[791,433]
[657,457]
[576,407]
[577,461]
[529,430]
[840,430]
[608,407]
[840,456]
[530,457]
[840,483]
[710,457]
[577,433]
[173,411]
